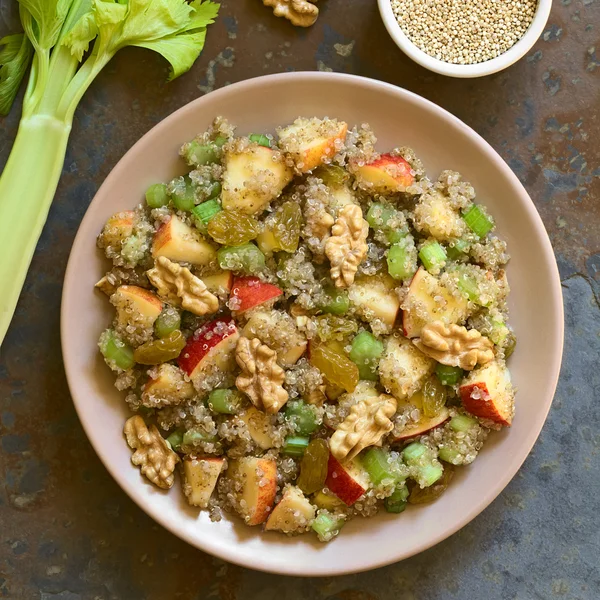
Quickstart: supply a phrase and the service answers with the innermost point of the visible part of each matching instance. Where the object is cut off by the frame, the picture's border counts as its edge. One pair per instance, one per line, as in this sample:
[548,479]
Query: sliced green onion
[402,259]
[157,195]
[295,445]
[365,353]
[116,352]
[377,463]
[167,322]
[175,439]
[433,256]
[448,375]
[260,139]
[477,220]
[396,503]
[462,423]
[302,416]
[327,525]
[226,402]
[338,302]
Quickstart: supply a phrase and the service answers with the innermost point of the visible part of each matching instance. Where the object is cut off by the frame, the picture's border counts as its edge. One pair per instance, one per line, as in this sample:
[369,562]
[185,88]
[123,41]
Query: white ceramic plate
[399,118]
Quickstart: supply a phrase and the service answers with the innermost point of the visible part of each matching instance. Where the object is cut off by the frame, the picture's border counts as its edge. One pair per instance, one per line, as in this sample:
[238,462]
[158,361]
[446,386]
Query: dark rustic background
[68,532]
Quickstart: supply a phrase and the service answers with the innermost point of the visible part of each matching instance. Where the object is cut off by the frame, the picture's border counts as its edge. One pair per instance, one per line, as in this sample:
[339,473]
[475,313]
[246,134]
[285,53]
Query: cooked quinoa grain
[310,344]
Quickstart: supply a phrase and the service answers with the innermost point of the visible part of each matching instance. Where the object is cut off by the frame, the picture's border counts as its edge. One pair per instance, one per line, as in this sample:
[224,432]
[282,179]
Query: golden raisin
[420,495]
[232,228]
[286,226]
[332,361]
[313,468]
[159,351]
[433,397]
[332,327]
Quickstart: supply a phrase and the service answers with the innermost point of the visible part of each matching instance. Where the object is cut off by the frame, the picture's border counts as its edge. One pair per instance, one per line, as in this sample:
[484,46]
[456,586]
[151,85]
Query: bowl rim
[499,63]
[206,545]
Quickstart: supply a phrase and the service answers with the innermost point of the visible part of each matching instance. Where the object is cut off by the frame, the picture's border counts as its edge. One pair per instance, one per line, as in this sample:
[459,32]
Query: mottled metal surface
[68,532]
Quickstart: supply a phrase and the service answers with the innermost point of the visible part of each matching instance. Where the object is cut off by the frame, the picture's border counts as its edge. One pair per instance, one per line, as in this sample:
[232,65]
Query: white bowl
[504,60]
[443,142]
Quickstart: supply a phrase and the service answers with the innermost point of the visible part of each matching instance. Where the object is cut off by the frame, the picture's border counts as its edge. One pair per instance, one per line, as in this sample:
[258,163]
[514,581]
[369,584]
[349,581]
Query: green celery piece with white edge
[61,32]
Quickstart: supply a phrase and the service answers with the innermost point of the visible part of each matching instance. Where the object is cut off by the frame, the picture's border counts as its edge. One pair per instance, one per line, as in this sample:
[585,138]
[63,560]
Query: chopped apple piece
[253,177]
[167,387]
[259,427]
[277,330]
[311,142]
[218,283]
[429,300]
[117,228]
[422,426]
[489,394]
[386,174]
[136,304]
[201,475]
[211,346]
[348,481]
[293,514]
[248,292]
[435,216]
[403,367]
[375,297]
[179,242]
[327,501]
[258,478]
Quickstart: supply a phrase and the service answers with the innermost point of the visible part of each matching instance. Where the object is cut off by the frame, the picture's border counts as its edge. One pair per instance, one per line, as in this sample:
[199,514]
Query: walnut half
[261,378]
[347,246]
[181,287]
[301,13]
[454,345]
[369,420]
[152,453]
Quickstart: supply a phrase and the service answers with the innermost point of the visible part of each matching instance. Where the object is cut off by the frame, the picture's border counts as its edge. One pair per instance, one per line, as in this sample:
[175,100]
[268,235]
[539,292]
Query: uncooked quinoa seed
[464,31]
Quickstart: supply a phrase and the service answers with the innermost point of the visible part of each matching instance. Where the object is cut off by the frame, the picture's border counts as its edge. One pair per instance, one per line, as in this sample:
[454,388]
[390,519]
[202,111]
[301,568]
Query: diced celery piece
[377,463]
[175,439]
[192,437]
[396,503]
[413,452]
[433,256]
[468,284]
[182,193]
[429,474]
[220,141]
[302,416]
[338,303]
[457,249]
[207,210]
[448,375]
[462,423]
[295,445]
[260,139]
[225,402]
[167,322]
[327,525]
[386,218]
[246,258]
[477,220]
[117,353]
[449,455]
[402,259]
[201,154]
[157,195]
[365,353]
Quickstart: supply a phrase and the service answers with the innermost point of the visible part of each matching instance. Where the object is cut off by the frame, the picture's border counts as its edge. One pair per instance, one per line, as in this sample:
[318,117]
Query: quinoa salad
[307,330]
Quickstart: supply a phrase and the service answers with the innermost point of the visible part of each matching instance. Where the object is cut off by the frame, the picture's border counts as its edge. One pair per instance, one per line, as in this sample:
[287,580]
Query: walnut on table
[181,287]
[455,346]
[152,453]
[369,420]
[261,378]
[347,246]
[301,13]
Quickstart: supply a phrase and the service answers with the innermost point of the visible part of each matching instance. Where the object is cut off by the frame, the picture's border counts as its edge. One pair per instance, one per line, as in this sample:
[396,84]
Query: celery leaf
[15,54]
[81,34]
[49,16]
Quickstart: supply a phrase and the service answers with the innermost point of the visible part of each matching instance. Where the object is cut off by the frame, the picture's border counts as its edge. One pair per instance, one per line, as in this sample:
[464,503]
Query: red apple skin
[202,342]
[251,292]
[341,484]
[485,406]
[404,176]
[428,425]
